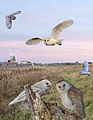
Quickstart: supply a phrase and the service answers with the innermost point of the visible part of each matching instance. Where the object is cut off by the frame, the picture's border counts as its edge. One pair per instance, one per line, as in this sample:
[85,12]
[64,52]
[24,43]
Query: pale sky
[37,19]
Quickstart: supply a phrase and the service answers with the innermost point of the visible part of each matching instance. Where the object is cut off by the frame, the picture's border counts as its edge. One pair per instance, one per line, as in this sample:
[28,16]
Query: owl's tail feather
[60,42]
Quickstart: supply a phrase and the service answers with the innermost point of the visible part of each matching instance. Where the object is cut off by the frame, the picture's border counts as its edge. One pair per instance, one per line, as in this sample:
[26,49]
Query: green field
[13,79]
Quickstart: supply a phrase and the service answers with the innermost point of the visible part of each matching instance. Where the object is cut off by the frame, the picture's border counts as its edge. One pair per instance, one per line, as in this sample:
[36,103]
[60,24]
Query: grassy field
[13,79]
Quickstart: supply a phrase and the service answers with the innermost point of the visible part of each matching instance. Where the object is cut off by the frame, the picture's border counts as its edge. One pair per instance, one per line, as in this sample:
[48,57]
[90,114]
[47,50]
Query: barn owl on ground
[72,98]
[54,38]
[40,87]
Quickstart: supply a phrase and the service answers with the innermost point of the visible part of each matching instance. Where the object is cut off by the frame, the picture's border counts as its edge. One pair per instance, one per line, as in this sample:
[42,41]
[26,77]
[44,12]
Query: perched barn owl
[40,87]
[84,70]
[54,39]
[72,98]
[9,19]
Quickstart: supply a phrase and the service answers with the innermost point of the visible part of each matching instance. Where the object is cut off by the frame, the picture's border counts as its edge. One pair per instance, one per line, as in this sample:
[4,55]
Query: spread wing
[57,29]
[9,19]
[21,97]
[8,22]
[34,41]
[15,13]
[77,99]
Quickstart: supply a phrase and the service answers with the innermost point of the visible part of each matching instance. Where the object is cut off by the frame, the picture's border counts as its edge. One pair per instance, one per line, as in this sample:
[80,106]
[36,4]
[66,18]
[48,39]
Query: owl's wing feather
[33,41]
[8,22]
[15,13]
[9,19]
[35,89]
[60,27]
[77,98]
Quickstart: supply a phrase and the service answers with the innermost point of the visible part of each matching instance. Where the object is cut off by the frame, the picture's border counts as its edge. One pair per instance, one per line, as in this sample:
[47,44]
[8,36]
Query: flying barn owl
[54,39]
[40,87]
[9,19]
[72,98]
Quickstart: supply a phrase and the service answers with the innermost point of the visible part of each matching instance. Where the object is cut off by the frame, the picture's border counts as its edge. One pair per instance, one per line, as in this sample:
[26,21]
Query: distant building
[26,62]
[10,62]
[12,58]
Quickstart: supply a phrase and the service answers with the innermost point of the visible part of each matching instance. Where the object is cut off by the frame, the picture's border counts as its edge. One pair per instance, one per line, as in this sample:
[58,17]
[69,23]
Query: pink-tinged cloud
[11,44]
[71,50]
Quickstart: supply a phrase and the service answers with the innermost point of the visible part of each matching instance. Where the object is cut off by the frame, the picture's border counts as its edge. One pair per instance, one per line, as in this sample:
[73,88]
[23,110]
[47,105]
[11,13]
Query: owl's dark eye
[64,85]
[47,83]
[47,40]
[44,40]
[59,86]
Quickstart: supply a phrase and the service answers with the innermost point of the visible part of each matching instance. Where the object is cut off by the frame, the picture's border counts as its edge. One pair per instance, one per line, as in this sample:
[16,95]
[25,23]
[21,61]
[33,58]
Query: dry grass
[13,79]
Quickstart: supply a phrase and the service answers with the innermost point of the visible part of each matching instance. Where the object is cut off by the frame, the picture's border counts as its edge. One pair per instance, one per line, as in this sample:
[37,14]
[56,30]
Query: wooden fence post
[46,111]
[29,99]
[37,107]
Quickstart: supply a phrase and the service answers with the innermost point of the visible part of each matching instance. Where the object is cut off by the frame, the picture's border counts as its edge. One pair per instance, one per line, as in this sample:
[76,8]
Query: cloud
[71,50]
[10,44]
